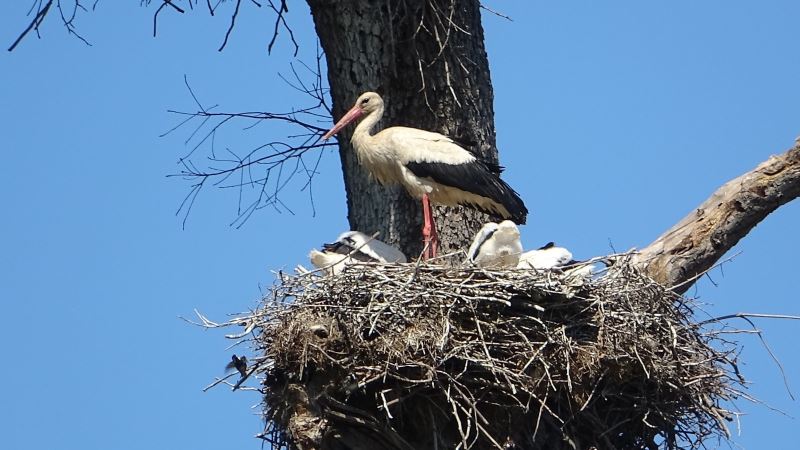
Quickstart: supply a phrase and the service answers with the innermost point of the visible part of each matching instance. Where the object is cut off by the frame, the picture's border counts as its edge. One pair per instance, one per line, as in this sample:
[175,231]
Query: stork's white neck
[362,135]
[373,152]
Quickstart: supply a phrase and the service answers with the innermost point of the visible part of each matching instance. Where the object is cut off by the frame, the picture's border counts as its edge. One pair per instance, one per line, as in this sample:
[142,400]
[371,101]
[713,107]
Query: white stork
[352,247]
[550,256]
[430,166]
[546,257]
[496,246]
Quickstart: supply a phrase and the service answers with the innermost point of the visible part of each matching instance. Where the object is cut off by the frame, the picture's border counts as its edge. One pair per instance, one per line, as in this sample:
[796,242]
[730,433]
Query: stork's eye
[365,101]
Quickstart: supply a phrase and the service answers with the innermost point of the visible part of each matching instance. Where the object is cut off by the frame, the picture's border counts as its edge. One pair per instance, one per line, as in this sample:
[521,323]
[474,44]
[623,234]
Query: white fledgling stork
[430,166]
[496,246]
[545,257]
[352,247]
[550,256]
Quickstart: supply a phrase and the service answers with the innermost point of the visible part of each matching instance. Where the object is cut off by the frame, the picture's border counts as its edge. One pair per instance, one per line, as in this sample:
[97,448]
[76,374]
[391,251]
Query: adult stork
[496,246]
[352,247]
[430,166]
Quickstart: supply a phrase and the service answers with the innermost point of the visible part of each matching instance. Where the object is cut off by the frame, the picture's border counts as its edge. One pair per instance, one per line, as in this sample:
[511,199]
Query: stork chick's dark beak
[354,113]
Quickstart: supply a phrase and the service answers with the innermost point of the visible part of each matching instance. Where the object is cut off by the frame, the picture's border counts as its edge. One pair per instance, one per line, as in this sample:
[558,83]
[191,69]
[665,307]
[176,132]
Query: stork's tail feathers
[519,213]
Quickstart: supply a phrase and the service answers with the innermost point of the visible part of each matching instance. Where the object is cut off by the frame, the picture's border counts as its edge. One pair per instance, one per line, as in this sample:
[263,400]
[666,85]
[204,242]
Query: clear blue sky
[614,119]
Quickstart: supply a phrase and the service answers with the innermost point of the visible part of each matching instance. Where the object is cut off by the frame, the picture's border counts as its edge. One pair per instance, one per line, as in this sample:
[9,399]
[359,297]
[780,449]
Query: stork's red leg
[434,235]
[429,235]
[426,227]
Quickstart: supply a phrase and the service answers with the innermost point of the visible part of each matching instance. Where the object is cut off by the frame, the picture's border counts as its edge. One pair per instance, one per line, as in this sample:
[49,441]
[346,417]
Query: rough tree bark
[427,59]
[691,247]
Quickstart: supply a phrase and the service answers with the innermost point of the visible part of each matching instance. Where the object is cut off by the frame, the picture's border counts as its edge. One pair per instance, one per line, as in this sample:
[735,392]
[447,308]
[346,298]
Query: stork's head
[367,103]
[508,228]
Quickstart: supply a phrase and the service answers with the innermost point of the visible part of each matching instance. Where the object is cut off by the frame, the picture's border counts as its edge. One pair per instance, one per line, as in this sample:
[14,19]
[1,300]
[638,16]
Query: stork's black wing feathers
[337,247]
[496,169]
[470,145]
[480,246]
[478,177]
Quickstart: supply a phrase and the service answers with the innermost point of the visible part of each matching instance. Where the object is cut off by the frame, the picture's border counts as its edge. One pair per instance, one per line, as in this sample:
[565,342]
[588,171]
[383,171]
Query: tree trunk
[427,60]
[691,247]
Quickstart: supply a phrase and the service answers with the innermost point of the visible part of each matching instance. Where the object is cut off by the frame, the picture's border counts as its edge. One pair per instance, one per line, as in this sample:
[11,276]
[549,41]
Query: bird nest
[422,356]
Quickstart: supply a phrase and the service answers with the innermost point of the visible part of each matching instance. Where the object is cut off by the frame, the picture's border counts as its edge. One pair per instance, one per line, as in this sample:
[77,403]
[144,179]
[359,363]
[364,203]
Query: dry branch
[687,250]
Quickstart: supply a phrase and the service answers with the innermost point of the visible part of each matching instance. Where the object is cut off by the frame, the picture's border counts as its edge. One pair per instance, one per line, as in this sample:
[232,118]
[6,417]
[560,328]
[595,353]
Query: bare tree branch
[230,27]
[69,19]
[497,13]
[695,243]
[261,173]
[165,3]
[281,20]
[41,13]
[68,10]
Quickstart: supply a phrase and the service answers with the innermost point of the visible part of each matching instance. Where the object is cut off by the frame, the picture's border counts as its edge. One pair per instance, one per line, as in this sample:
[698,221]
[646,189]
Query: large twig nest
[430,357]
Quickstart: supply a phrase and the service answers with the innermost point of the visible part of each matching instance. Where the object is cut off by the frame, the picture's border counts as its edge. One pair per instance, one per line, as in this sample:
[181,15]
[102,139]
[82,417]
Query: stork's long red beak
[354,113]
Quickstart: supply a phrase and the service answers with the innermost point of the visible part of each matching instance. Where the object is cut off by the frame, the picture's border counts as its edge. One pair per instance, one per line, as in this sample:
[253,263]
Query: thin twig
[41,13]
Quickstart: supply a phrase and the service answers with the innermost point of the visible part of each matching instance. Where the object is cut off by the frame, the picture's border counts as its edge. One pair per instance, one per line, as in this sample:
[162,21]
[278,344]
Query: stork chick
[551,256]
[352,247]
[496,246]
[545,257]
